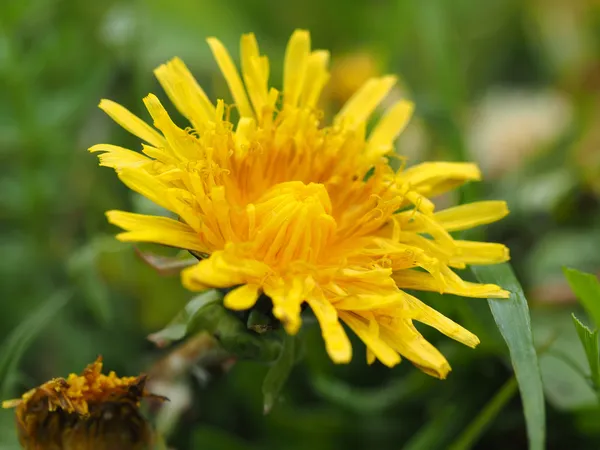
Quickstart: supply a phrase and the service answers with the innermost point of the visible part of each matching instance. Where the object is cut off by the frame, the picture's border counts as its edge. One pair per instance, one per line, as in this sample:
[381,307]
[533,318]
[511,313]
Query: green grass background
[59,57]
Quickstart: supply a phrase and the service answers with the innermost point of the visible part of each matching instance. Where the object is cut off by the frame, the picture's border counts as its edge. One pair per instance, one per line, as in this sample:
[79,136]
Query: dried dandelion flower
[302,212]
[90,411]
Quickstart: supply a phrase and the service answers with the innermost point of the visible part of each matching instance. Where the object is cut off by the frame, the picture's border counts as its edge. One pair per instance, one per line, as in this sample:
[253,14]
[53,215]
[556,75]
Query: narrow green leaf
[23,335]
[513,321]
[587,289]
[178,327]
[370,401]
[563,362]
[434,435]
[278,373]
[82,268]
[473,432]
[589,340]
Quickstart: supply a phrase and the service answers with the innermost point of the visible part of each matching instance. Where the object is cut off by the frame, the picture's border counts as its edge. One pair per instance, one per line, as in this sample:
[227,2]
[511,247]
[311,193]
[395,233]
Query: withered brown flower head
[90,411]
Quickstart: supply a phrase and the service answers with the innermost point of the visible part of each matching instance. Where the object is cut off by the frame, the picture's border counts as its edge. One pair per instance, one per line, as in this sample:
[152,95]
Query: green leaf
[473,432]
[513,321]
[233,334]
[589,340]
[278,373]
[566,384]
[178,328]
[587,289]
[205,312]
[23,335]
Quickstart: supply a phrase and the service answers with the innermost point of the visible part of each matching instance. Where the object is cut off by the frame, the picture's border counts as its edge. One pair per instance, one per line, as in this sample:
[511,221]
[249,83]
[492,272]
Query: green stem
[476,428]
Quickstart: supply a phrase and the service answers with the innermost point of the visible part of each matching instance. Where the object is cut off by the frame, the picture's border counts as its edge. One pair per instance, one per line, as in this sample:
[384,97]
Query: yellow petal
[118,157]
[131,123]
[336,341]
[429,316]
[413,279]
[255,73]
[295,66]
[389,128]
[316,78]
[222,270]
[434,178]
[364,101]
[181,144]
[7,404]
[208,273]
[232,77]
[422,203]
[470,252]
[147,185]
[376,346]
[366,302]
[185,92]
[370,356]
[287,298]
[160,230]
[245,128]
[243,297]
[159,154]
[468,216]
[423,223]
[406,340]
[449,284]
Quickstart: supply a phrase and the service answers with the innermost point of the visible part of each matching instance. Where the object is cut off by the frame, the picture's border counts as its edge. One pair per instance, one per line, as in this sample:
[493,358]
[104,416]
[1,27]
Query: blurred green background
[514,85]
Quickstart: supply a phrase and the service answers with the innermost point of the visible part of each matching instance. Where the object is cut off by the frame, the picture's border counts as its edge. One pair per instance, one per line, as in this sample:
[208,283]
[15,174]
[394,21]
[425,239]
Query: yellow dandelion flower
[84,412]
[302,212]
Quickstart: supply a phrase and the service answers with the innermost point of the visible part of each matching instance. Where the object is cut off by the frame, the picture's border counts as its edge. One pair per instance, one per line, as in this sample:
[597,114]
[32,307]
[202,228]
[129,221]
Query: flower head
[302,212]
[86,411]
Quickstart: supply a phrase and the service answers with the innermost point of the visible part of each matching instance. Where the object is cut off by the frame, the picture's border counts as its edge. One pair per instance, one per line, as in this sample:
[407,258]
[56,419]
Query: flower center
[291,222]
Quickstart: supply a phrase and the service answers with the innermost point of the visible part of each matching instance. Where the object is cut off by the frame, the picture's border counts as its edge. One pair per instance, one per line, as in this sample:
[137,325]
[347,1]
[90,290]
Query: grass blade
[23,335]
[589,340]
[587,289]
[438,431]
[473,432]
[514,323]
